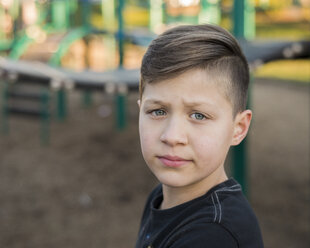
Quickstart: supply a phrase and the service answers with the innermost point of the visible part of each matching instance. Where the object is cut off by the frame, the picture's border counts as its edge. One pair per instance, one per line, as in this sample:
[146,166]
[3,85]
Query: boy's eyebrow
[197,103]
[155,101]
[186,103]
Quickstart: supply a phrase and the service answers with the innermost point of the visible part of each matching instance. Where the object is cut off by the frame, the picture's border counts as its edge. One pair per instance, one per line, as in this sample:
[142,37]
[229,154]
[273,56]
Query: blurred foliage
[136,16]
[292,31]
[295,70]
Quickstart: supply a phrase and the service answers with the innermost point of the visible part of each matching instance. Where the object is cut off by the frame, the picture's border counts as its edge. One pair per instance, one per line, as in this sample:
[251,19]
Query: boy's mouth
[173,161]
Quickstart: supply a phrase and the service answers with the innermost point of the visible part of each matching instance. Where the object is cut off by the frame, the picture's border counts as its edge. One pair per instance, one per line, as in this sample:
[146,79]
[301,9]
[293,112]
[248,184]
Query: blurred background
[71,170]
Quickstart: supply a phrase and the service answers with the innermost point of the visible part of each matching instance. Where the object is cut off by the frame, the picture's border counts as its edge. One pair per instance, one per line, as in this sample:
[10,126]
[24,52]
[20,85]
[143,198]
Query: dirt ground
[88,187]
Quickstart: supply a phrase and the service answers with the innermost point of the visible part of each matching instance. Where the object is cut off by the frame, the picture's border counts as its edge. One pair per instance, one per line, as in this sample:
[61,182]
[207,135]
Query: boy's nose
[174,133]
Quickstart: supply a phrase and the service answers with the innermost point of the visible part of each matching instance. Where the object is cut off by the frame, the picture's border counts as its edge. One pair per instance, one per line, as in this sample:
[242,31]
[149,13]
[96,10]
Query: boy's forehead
[195,81]
[205,76]
[191,89]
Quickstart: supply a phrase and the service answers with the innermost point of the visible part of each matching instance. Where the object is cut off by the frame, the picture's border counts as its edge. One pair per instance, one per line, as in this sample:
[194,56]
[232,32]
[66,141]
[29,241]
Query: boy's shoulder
[233,212]
[222,216]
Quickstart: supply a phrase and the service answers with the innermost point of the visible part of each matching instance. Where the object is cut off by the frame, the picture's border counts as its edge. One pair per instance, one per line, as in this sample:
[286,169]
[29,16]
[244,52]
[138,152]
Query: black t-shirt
[222,218]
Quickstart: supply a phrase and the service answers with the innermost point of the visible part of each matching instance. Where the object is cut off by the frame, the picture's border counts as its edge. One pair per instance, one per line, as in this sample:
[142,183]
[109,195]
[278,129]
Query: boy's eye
[198,116]
[158,112]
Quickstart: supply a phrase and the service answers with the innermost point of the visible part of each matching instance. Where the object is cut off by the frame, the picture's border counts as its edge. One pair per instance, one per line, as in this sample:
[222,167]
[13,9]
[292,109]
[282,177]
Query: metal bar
[61,104]
[239,168]
[156,15]
[24,95]
[45,118]
[60,16]
[210,12]
[5,126]
[238,18]
[86,9]
[243,28]
[244,19]
[24,111]
[120,32]
[121,120]
[240,164]
[109,21]
[87,98]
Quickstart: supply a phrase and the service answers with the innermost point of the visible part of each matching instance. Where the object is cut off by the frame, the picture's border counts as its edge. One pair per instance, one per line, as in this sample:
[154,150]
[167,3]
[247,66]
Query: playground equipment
[41,110]
[119,81]
[243,29]
[193,12]
[56,17]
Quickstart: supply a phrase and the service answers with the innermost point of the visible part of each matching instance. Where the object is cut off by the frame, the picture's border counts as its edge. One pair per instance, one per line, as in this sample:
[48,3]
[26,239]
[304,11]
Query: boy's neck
[174,196]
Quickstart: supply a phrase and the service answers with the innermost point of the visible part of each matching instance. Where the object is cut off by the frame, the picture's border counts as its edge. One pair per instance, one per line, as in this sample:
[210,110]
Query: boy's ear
[241,126]
[139,103]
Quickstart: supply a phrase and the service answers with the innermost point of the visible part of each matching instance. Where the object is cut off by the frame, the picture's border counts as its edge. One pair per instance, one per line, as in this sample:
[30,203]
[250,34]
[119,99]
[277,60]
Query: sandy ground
[88,187]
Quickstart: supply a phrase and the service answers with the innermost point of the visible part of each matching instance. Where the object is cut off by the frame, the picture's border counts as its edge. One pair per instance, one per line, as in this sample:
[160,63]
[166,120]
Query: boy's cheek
[145,137]
[205,148]
[212,143]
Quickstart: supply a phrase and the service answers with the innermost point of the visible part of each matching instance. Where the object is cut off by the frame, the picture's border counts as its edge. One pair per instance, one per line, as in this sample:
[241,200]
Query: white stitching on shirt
[228,190]
[233,188]
[215,211]
[220,214]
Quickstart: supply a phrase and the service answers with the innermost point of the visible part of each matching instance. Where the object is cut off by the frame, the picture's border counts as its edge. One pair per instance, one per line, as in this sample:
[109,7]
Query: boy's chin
[173,181]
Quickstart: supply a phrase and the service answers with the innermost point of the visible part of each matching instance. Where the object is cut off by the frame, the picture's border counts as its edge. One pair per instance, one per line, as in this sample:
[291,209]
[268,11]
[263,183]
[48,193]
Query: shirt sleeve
[207,235]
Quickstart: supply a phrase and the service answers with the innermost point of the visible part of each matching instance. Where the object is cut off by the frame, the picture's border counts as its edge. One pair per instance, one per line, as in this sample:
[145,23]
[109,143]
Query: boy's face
[186,128]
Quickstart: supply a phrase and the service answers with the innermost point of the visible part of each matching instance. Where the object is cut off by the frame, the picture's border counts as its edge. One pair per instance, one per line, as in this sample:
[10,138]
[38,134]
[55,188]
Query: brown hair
[207,47]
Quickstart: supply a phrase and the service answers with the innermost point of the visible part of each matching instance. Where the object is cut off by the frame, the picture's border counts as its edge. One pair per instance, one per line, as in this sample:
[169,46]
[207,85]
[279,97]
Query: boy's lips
[173,161]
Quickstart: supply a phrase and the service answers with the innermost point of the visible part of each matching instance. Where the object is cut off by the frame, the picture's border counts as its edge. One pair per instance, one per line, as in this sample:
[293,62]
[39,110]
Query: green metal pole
[249,26]
[5,126]
[239,156]
[108,13]
[121,98]
[60,14]
[121,118]
[244,19]
[238,18]
[61,104]
[120,32]
[243,28]
[87,98]
[14,12]
[61,20]
[156,15]
[210,12]
[72,9]
[2,13]
[109,19]
[45,118]
[86,11]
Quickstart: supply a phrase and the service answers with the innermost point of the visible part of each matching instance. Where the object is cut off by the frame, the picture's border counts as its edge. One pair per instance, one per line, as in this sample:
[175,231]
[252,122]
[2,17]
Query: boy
[193,92]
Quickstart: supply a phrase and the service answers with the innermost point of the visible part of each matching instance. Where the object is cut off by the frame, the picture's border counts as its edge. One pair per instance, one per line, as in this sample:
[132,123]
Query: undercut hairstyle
[206,47]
